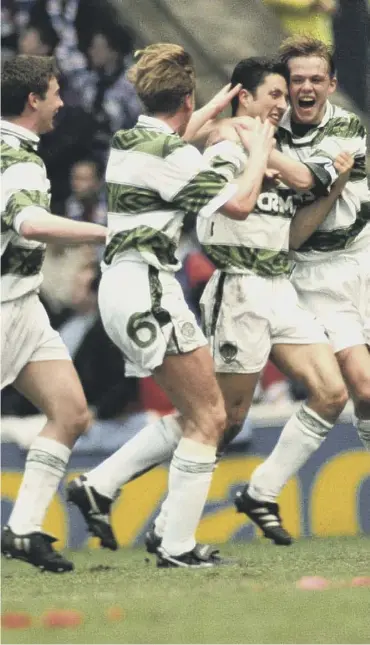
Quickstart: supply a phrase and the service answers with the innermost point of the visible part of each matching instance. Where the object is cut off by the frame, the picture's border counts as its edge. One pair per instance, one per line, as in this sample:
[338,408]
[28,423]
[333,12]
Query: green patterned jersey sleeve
[23,205]
[25,194]
[343,133]
[227,158]
[192,185]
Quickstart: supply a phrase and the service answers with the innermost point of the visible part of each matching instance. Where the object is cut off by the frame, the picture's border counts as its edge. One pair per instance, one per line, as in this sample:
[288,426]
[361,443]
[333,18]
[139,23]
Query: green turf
[255,601]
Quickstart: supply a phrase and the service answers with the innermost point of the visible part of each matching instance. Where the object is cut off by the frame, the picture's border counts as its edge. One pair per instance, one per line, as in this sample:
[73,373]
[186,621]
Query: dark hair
[21,76]
[118,39]
[46,32]
[251,73]
[297,46]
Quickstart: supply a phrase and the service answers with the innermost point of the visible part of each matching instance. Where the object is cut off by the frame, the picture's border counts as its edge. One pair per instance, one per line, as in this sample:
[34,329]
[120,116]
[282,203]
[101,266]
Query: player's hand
[273,176]
[222,99]
[343,164]
[260,139]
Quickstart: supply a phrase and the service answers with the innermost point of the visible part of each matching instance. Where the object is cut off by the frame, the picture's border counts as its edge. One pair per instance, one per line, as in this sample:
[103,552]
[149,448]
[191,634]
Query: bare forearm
[309,218]
[293,173]
[57,229]
[249,187]
[199,126]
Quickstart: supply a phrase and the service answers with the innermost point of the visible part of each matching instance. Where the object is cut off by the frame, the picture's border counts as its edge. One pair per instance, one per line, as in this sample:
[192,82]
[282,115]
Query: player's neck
[175,121]
[24,122]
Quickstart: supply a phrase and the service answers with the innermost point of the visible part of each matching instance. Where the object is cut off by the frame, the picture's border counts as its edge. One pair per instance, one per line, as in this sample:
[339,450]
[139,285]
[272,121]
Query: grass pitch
[255,601]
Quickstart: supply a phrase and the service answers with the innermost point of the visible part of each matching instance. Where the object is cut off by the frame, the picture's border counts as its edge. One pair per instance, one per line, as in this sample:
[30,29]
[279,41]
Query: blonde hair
[162,75]
[297,46]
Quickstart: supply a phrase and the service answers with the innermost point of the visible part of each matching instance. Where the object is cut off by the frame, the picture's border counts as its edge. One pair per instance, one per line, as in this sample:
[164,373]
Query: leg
[175,351]
[93,493]
[343,306]
[237,390]
[355,365]
[316,367]
[189,382]
[52,386]
[302,435]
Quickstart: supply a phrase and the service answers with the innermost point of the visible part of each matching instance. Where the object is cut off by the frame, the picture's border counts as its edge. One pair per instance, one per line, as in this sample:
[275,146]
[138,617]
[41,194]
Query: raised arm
[202,120]
[294,174]
[259,143]
[308,218]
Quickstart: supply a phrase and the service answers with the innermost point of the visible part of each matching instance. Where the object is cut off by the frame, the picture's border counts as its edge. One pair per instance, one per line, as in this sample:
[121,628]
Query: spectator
[37,39]
[99,79]
[14,17]
[86,202]
[306,17]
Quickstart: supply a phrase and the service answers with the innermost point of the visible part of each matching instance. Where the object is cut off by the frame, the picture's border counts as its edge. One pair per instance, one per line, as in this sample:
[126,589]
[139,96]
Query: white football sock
[189,480]
[152,445]
[161,519]
[363,429]
[45,466]
[301,436]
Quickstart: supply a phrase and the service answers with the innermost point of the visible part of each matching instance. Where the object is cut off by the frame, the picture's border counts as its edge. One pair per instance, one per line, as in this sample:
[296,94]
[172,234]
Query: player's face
[270,99]
[48,107]
[309,88]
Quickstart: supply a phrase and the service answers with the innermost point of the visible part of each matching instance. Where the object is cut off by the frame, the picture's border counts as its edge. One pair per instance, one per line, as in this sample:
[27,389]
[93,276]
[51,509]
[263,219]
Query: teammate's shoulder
[344,123]
[153,142]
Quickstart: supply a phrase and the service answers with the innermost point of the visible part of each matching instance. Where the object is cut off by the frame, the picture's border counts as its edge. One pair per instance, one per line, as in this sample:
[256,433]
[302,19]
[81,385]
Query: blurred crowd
[94,50]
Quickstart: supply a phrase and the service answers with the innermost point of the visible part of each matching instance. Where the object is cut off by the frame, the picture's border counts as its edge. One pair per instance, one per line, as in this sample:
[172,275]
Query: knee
[361,391]
[81,420]
[73,419]
[213,422]
[332,399]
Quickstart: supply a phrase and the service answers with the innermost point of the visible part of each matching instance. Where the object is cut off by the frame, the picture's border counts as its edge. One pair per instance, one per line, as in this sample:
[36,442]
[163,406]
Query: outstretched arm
[52,228]
[294,174]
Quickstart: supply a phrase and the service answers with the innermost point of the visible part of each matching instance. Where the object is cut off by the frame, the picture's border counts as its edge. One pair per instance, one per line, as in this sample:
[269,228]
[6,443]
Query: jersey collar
[20,132]
[151,123]
[286,124]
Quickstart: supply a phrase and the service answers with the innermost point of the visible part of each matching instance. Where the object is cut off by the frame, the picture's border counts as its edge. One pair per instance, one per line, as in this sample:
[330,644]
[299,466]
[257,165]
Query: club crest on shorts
[228,351]
[188,330]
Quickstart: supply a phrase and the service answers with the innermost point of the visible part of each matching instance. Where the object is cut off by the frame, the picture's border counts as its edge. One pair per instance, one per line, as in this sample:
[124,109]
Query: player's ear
[333,85]
[245,97]
[189,101]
